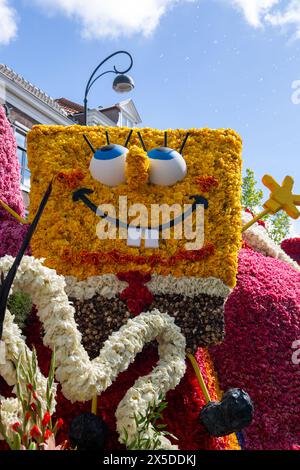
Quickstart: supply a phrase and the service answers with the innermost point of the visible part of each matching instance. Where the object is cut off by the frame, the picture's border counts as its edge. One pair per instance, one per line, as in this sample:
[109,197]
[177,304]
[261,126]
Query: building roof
[32,89]
[70,106]
[110,112]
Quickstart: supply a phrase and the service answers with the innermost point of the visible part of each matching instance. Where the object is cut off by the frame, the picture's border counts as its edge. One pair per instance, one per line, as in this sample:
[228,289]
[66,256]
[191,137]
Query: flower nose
[137,167]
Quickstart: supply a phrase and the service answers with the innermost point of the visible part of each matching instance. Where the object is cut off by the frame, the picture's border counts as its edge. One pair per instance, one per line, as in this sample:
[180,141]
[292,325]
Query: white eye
[167,166]
[108,165]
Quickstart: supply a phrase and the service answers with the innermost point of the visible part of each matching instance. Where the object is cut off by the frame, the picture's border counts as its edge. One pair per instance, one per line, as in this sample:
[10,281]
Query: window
[126,122]
[22,156]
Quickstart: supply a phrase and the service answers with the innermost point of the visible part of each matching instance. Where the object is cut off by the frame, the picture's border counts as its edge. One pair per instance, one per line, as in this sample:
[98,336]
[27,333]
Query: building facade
[27,105]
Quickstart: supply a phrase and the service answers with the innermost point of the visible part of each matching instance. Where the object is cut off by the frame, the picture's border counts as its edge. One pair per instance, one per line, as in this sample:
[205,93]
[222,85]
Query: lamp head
[123,83]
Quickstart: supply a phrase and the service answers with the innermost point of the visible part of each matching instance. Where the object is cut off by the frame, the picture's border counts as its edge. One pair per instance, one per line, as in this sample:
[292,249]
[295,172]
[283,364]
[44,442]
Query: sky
[197,63]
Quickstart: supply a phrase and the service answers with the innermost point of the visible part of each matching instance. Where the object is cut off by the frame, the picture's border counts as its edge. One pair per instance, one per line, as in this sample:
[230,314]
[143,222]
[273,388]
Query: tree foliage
[278,225]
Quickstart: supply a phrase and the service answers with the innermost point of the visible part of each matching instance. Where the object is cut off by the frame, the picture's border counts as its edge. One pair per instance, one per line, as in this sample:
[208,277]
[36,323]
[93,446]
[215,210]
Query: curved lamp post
[121,84]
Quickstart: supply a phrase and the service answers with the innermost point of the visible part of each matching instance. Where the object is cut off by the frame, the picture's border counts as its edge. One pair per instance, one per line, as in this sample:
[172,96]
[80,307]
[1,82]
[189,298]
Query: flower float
[127,293]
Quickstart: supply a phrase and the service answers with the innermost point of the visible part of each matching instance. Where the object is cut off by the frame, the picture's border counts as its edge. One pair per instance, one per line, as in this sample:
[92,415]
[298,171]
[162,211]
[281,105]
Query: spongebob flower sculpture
[145,229]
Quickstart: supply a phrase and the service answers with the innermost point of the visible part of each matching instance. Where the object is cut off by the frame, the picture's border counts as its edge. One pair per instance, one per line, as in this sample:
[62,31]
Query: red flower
[33,407]
[47,418]
[206,183]
[35,431]
[47,434]
[16,426]
[95,259]
[27,416]
[30,387]
[260,222]
[137,296]
[59,423]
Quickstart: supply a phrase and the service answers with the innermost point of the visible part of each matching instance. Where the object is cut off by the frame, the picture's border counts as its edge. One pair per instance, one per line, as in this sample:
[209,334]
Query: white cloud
[280,13]
[254,10]
[289,17]
[8,24]
[113,18]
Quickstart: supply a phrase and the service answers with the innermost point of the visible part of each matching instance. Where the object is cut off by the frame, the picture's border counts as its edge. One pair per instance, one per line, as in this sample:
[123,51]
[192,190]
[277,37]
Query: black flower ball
[232,414]
[88,432]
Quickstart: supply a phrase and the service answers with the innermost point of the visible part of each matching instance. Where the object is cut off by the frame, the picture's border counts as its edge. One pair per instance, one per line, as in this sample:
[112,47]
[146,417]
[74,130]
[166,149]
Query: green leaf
[16,444]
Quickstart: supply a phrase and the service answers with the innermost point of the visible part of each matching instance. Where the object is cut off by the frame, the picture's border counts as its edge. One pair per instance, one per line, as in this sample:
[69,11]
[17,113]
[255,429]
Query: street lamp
[121,84]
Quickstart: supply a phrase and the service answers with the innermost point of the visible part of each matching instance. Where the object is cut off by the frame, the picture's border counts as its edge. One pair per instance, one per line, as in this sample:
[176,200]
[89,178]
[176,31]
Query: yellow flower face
[68,233]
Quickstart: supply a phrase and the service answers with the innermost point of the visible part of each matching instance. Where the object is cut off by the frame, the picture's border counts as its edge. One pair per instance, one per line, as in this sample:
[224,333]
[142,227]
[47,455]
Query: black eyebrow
[89,143]
[166,139]
[184,142]
[142,141]
[128,138]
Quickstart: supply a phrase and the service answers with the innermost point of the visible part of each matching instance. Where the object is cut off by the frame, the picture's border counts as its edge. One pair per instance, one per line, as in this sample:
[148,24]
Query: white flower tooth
[134,237]
[151,238]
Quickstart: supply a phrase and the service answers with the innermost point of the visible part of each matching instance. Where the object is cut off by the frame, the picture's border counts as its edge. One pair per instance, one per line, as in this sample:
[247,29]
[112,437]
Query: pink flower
[10,191]
[50,444]
[295,447]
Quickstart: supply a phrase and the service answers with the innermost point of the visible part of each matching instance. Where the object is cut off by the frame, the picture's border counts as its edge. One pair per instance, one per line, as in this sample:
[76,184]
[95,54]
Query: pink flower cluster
[10,191]
[262,318]
[292,248]
[11,232]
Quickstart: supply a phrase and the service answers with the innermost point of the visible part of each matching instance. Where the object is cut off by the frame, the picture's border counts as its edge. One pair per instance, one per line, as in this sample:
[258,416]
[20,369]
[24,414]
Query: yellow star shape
[282,197]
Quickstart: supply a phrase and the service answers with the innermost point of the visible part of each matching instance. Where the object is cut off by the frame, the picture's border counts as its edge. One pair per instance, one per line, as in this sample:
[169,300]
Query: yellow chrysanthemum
[68,228]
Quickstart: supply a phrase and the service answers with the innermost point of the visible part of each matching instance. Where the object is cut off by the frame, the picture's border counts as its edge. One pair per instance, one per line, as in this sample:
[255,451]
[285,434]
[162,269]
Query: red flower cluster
[114,256]
[137,296]
[206,183]
[72,179]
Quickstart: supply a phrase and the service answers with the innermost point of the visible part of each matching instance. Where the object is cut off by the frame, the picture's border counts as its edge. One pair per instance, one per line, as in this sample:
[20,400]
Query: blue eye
[108,164]
[167,166]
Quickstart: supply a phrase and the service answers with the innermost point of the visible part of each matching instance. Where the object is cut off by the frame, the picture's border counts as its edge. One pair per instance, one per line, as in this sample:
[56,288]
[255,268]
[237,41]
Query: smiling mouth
[81,195]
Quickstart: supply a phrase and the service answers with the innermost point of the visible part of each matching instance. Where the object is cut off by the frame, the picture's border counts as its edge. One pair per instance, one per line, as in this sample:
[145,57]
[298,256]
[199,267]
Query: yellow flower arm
[94,405]
[13,213]
[199,377]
